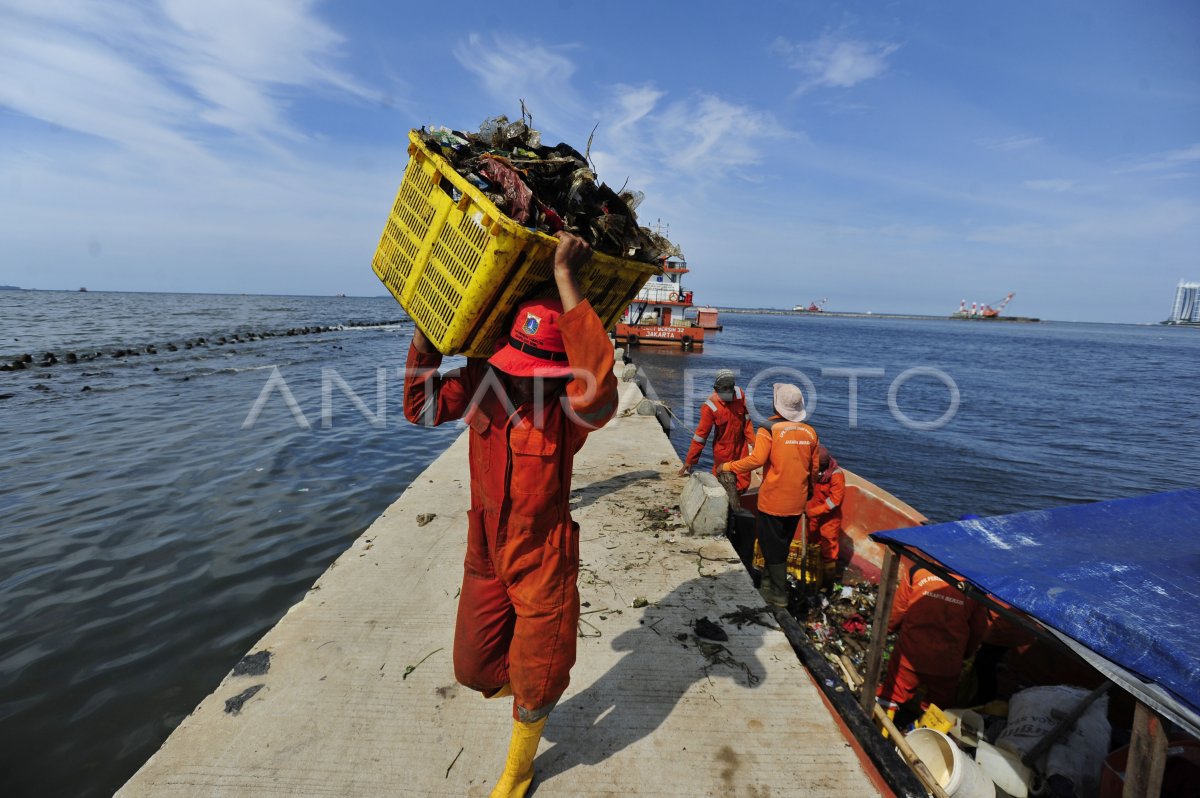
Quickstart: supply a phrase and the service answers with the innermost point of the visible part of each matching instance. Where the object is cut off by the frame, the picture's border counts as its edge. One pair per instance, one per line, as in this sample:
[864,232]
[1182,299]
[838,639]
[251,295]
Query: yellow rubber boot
[518,769]
[501,692]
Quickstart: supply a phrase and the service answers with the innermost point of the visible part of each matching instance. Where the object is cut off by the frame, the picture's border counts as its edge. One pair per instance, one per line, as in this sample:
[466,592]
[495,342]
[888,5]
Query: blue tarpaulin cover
[1121,578]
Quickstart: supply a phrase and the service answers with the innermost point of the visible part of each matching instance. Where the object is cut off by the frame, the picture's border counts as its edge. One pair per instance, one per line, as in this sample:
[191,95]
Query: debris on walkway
[253,664]
[744,615]
[709,630]
[234,705]
[412,668]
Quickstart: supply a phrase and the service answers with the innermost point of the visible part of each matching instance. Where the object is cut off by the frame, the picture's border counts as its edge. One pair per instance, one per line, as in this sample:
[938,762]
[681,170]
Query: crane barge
[979,310]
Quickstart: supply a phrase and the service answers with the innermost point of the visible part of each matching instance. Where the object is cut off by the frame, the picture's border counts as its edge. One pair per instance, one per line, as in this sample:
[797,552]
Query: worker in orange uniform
[824,511]
[939,627]
[725,410]
[788,448]
[519,605]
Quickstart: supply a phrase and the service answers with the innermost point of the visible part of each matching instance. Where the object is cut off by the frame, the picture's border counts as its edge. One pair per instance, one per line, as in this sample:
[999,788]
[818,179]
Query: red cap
[535,344]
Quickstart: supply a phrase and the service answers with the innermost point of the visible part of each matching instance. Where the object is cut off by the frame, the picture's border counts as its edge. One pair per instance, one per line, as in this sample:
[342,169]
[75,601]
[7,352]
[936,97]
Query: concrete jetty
[360,697]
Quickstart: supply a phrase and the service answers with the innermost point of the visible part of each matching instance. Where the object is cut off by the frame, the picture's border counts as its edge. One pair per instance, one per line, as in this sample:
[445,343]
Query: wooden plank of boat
[867,508]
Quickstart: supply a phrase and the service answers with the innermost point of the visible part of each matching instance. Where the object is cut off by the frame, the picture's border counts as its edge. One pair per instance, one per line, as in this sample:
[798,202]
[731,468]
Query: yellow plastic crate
[459,268]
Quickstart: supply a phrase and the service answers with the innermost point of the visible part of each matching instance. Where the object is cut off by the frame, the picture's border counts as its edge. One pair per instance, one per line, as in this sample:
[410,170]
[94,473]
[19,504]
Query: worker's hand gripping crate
[458,267]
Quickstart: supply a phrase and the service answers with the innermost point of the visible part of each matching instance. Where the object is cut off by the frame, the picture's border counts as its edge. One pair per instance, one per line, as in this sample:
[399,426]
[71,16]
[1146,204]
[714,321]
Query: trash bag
[517,195]
[1078,755]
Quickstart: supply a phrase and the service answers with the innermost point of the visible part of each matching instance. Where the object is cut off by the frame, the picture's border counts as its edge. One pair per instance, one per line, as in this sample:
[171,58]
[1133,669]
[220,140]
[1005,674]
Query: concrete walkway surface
[360,697]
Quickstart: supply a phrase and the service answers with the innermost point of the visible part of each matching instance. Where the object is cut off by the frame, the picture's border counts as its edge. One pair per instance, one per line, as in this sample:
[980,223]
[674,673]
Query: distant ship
[83,289]
[979,310]
[657,315]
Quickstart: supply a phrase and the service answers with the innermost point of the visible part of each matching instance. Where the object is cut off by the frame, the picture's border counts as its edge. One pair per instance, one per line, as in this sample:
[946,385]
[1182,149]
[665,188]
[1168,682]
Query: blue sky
[888,157]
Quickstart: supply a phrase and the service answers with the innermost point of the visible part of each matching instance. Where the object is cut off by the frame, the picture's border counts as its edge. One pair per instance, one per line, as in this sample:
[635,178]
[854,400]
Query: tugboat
[657,315]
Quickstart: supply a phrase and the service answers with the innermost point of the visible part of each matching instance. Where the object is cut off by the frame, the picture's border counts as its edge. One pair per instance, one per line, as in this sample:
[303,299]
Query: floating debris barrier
[51,359]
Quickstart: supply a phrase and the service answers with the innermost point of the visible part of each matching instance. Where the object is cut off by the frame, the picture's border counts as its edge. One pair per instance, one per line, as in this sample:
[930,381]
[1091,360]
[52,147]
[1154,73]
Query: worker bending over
[519,605]
[725,411]
[939,626]
[825,512]
[788,448]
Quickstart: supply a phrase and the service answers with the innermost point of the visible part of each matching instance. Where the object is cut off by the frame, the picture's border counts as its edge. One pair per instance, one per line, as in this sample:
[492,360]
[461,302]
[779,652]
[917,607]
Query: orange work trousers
[518,612]
[902,682]
[828,527]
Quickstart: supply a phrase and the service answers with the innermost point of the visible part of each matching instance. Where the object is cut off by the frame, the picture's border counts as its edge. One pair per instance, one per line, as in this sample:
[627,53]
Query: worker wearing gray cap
[725,410]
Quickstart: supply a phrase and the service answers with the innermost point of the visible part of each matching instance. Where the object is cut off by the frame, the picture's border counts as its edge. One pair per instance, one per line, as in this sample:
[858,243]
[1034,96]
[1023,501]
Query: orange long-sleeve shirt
[788,449]
[827,497]
[537,453]
[939,625]
[734,430]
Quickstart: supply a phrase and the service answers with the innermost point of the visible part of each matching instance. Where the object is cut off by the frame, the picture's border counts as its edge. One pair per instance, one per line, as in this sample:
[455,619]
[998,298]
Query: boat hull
[649,335]
[867,508]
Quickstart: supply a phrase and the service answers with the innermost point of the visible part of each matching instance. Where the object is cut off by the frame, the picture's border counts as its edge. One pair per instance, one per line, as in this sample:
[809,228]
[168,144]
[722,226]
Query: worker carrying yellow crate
[470,233]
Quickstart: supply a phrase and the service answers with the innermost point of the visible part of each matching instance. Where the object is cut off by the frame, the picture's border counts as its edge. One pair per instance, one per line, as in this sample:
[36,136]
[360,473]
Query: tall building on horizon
[1186,309]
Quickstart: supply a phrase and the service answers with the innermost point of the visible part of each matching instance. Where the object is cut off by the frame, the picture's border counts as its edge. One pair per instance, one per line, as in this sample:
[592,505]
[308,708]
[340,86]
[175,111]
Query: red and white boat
[657,315]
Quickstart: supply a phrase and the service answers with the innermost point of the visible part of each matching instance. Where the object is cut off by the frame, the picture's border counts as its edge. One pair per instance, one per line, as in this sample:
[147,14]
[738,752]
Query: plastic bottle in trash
[477,181]
[491,132]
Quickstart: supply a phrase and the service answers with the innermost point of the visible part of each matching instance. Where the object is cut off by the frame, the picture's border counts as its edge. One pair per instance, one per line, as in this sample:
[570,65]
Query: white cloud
[694,142]
[834,62]
[159,78]
[707,133]
[1011,143]
[1059,185]
[512,69]
[1187,154]
[641,135]
[633,104]
[1171,160]
[1091,227]
[177,150]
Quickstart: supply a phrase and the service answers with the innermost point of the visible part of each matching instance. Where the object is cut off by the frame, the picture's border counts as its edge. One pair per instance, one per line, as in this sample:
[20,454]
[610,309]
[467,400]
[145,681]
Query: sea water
[156,524]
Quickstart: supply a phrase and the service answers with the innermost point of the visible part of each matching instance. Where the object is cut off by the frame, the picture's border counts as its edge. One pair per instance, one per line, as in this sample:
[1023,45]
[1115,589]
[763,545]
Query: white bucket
[1005,769]
[956,773]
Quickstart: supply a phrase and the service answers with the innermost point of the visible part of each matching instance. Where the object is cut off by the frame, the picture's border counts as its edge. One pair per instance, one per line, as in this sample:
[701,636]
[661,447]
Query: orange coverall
[825,512]
[939,628]
[734,433]
[519,606]
[789,450]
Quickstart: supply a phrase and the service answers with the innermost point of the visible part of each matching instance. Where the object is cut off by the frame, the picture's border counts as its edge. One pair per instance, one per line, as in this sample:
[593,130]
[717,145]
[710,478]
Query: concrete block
[647,407]
[704,505]
[629,373]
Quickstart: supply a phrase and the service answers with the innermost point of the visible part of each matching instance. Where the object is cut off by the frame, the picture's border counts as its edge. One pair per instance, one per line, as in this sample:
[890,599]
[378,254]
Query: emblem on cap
[532,323]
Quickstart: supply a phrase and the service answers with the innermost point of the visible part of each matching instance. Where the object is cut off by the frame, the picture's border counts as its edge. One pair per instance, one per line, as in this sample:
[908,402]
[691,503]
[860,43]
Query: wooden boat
[867,508]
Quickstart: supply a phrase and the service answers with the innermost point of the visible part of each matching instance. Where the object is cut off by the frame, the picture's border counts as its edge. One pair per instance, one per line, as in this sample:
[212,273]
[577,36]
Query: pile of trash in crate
[547,188]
